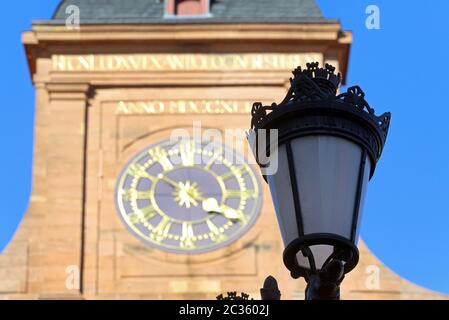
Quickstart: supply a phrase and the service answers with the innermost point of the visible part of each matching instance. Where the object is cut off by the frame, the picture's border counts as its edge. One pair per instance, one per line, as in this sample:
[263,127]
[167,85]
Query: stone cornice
[43,41]
[305,31]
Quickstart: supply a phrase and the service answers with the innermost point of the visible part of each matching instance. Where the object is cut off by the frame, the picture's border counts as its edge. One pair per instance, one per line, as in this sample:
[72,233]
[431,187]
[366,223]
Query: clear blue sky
[401,67]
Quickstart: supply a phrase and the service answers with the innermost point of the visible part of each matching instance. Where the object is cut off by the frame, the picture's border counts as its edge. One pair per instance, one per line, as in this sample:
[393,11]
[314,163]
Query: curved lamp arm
[325,285]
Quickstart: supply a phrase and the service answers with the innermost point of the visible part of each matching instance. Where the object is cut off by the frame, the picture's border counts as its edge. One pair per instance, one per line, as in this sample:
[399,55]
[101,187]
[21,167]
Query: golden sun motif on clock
[188,196]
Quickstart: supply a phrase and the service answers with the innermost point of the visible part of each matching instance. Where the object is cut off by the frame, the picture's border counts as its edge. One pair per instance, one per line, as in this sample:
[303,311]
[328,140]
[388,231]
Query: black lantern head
[326,151]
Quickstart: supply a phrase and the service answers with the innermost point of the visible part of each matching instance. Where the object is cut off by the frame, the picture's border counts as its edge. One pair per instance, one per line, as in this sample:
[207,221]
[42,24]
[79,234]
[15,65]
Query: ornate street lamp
[326,151]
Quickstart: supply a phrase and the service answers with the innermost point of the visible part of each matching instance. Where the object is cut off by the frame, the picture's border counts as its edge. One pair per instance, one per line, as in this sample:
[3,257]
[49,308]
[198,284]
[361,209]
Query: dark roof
[222,11]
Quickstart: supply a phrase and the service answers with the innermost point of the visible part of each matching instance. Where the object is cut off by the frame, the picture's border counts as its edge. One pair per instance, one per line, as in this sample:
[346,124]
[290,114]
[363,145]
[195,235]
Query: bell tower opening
[187,8]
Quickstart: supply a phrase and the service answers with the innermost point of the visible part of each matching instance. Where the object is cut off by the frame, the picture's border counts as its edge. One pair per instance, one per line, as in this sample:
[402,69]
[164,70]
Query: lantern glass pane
[281,192]
[366,175]
[327,171]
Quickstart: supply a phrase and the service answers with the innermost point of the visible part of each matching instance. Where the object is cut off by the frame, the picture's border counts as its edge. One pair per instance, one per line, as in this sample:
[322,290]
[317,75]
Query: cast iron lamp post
[327,149]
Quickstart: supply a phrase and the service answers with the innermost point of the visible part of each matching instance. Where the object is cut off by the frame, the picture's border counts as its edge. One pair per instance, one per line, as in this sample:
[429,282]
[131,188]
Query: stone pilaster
[48,246]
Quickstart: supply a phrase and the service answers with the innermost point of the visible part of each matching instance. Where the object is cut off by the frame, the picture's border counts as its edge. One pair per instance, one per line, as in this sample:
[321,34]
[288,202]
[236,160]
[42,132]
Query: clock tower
[121,210]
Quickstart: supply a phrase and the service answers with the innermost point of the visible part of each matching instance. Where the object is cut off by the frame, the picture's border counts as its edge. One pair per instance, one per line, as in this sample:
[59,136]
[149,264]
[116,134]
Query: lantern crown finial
[325,78]
[315,87]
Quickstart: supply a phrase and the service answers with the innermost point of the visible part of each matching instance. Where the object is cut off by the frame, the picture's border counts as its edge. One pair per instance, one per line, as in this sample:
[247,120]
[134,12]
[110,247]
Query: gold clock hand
[185,198]
[211,205]
[168,180]
[232,214]
[182,192]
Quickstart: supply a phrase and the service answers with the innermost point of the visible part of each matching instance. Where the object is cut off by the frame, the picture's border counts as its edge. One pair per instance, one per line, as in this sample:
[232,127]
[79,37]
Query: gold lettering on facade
[180,62]
[184,107]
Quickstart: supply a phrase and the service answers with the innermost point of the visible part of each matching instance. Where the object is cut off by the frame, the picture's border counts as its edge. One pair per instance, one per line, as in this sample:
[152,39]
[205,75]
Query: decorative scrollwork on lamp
[321,84]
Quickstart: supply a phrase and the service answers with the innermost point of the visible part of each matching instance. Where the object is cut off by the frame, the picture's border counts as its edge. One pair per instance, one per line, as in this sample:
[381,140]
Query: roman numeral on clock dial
[160,155]
[162,229]
[133,194]
[187,238]
[142,215]
[215,233]
[137,170]
[187,151]
[148,212]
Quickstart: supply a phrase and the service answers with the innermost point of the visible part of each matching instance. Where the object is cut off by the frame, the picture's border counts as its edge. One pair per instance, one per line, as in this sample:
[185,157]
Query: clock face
[188,196]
